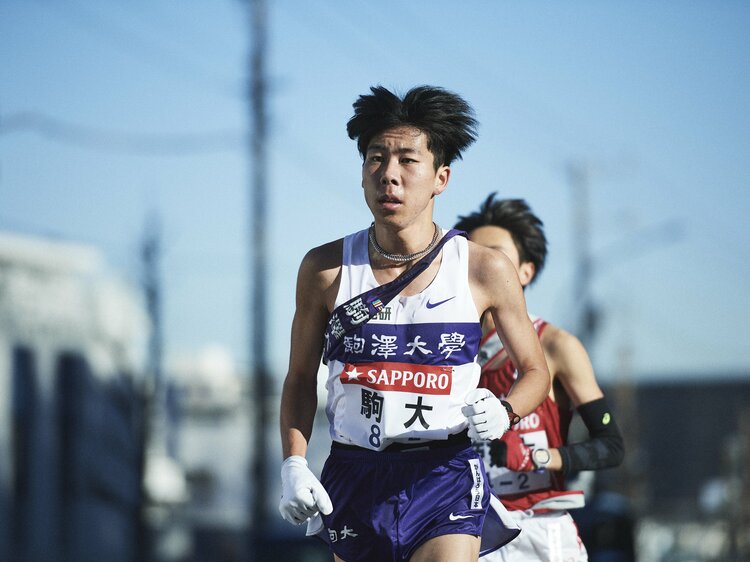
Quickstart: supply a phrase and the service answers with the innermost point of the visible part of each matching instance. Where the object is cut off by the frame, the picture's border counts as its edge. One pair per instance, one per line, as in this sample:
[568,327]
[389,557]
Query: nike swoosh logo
[453,517]
[434,304]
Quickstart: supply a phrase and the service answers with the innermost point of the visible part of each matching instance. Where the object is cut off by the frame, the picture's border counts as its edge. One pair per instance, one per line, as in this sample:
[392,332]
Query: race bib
[505,482]
[404,402]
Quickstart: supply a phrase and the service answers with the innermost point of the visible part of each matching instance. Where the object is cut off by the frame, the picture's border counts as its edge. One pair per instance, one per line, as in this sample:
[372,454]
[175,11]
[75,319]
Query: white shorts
[548,537]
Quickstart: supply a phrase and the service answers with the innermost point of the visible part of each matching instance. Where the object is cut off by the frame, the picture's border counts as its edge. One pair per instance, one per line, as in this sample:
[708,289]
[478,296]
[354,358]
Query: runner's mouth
[389,200]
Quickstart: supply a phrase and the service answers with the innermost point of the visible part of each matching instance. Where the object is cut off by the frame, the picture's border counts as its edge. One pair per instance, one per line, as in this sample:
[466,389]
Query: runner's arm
[504,298]
[571,366]
[299,395]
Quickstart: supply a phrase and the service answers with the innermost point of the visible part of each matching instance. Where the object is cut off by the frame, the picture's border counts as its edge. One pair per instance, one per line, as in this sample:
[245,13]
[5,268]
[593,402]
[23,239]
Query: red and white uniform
[537,500]
[545,427]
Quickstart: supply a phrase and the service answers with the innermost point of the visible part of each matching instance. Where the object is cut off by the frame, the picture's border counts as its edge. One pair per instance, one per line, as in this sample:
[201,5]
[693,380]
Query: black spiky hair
[444,117]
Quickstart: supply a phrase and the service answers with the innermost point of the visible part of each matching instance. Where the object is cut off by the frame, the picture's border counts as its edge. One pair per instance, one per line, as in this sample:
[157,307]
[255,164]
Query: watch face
[541,457]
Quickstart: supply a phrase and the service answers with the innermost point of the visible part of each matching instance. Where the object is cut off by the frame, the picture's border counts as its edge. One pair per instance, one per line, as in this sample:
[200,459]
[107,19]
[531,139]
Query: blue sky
[98,98]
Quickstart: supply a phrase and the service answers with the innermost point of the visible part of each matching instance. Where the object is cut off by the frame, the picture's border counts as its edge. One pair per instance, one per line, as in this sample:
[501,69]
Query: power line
[144,144]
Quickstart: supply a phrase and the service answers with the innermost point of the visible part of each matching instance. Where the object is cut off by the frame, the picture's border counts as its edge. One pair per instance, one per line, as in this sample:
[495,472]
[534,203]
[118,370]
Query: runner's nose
[389,173]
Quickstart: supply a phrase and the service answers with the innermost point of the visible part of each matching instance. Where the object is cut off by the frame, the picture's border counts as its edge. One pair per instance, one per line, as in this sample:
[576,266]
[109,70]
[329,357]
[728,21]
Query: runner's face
[399,177]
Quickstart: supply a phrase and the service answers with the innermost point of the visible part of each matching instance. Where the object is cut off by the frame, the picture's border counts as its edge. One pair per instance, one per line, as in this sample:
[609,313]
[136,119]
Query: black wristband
[513,418]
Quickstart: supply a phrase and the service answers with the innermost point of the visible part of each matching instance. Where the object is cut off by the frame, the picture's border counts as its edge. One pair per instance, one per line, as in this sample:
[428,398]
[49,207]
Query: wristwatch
[541,458]
[513,418]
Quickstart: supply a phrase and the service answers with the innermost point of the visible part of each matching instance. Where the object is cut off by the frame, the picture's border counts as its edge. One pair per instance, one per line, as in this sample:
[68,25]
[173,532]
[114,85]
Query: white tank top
[402,377]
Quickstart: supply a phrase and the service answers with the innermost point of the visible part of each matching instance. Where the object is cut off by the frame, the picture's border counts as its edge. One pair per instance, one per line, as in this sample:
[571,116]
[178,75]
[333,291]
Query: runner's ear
[526,272]
[441,179]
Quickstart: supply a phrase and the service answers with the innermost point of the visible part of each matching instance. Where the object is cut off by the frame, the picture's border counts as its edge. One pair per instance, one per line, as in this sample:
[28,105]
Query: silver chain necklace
[401,258]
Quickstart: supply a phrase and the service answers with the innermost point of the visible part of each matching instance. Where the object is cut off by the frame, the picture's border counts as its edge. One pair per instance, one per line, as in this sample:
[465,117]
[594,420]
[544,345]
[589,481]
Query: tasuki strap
[364,307]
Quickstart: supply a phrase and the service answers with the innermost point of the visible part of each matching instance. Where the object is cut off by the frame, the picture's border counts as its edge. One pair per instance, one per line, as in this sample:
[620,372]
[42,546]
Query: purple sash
[364,307]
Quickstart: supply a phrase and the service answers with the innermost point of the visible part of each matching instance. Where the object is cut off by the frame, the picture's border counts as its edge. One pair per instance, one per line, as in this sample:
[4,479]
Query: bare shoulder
[559,344]
[322,260]
[320,271]
[490,270]
[487,266]
[569,363]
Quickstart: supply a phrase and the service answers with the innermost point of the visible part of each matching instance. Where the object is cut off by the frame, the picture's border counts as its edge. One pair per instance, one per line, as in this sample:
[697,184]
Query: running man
[394,310]
[527,467]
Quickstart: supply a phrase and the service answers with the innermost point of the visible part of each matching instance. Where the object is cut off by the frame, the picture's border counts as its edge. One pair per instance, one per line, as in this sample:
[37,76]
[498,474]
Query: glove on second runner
[512,453]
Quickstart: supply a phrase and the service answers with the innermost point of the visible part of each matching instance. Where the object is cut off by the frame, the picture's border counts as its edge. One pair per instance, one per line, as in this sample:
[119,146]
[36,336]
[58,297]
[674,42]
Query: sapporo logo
[400,377]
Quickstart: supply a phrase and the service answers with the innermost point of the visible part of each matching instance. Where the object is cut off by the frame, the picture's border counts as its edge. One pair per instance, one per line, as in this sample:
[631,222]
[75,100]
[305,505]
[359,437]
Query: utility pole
[587,325]
[158,431]
[150,256]
[154,424]
[257,313]
[587,315]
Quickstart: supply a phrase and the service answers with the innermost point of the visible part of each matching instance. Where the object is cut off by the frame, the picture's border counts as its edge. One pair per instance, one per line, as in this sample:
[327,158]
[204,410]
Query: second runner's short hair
[515,216]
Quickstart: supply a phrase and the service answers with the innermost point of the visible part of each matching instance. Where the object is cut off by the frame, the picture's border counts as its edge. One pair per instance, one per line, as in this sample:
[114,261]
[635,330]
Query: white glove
[488,418]
[302,494]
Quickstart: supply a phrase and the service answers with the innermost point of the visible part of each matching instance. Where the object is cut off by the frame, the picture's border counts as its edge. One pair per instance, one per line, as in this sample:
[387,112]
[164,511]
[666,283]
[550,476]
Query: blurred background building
[72,405]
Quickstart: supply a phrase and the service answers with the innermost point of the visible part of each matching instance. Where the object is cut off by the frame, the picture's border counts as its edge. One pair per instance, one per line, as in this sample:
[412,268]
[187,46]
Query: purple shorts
[387,504]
